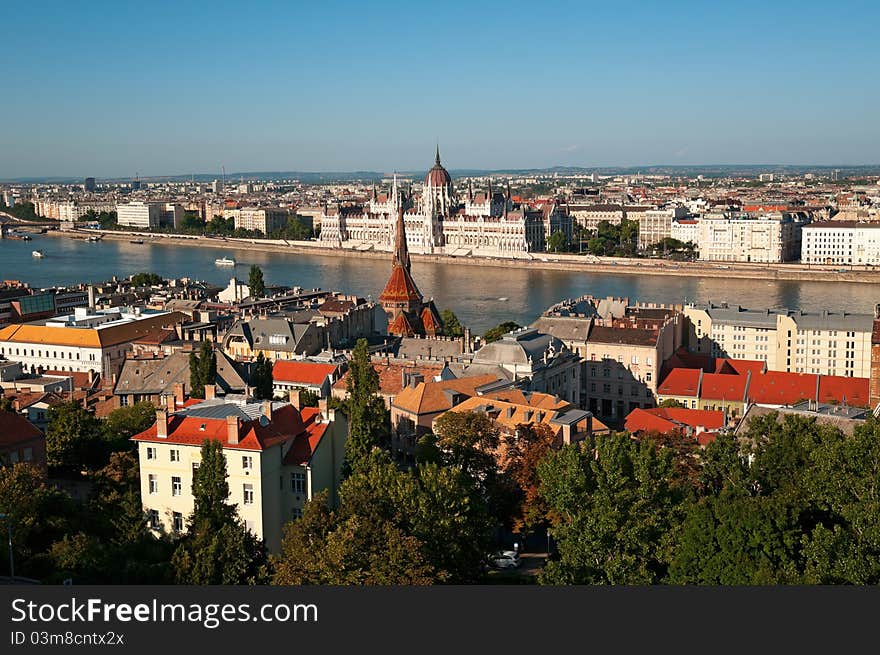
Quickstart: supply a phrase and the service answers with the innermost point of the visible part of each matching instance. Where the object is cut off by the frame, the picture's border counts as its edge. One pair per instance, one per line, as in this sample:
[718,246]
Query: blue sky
[114,88]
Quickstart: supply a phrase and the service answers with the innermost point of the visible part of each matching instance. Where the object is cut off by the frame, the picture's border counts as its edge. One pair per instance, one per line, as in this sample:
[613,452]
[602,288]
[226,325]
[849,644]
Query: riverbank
[793,272]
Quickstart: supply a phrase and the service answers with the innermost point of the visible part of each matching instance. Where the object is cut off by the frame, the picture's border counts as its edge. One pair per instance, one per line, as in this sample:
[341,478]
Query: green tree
[262,378]
[255,282]
[557,242]
[6,404]
[146,279]
[615,504]
[392,527]
[525,449]
[39,514]
[217,548]
[73,437]
[451,326]
[368,420]
[123,423]
[202,369]
[495,333]
[322,548]
[672,403]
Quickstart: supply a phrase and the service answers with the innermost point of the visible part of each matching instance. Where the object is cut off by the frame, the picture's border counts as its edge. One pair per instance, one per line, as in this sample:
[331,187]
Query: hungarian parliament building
[483,223]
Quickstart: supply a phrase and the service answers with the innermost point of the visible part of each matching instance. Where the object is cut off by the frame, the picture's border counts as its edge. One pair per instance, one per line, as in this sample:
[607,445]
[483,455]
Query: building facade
[827,343]
[277,458]
[741,237]
[841,243]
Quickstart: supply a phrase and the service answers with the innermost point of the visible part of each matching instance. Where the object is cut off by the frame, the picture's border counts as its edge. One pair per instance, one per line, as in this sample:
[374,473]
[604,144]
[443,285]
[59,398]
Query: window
[247,462]
[177,521]
[176,486]
[298,483]
[195,467]
[151,452]
[153,483]
[13,457]
[153,519]
[28,454]
[248,494]
[296,513]
[175,455]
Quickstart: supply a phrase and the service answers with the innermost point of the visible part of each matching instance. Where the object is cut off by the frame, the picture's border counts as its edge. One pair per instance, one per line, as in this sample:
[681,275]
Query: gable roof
[665,420]
[430,397]
[302,372]
[16,429]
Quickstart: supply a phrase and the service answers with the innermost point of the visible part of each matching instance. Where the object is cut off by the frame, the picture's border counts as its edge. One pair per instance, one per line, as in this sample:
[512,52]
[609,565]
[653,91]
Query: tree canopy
[495,333]
[368,420]
[451,325]
[256,285]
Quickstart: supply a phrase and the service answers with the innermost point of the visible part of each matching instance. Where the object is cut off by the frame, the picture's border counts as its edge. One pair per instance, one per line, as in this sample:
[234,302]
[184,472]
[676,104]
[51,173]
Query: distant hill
[317,177]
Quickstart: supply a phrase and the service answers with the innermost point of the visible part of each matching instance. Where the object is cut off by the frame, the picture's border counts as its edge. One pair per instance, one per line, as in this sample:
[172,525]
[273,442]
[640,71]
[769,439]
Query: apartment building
[739,237]
[262,219]
[278,456]
[841,243]
[686,230]
[656,224]
[622,349]
[830,343]
[81,341]
[140,215]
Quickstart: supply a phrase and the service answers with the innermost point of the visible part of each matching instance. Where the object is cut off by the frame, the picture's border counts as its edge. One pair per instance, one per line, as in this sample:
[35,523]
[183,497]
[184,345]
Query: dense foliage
[451,325]
[202,369]
[495,333]
[256,285]
[368,420]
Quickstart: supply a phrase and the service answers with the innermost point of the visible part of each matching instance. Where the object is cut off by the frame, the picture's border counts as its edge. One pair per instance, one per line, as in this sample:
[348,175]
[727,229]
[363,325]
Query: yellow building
[278,456]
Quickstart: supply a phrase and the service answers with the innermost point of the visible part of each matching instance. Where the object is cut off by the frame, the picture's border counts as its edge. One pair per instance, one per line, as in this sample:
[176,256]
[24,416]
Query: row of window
[39,353]
[247,461]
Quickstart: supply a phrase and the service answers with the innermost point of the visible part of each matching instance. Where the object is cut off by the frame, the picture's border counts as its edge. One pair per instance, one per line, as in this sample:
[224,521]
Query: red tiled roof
[302,372]
[680,382]
[853,391]
[781,388]
[721,386]
[400,287]
[401,326]
[187,430]
[16,429]
[391,376]
[306,443]
[663,419]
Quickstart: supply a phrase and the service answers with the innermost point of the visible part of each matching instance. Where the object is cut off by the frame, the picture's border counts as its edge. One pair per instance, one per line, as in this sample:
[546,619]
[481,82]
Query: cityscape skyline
[309,88]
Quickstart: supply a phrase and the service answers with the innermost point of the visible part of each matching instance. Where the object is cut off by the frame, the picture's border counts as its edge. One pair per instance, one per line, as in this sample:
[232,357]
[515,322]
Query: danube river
[481,296]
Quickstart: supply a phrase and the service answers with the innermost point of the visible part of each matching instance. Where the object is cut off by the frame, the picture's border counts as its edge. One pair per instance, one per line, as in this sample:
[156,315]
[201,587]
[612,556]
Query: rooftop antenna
[223,170]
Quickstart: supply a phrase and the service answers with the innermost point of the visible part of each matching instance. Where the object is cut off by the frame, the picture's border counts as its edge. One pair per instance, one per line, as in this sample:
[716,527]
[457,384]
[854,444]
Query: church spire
[437,158]
[401,251]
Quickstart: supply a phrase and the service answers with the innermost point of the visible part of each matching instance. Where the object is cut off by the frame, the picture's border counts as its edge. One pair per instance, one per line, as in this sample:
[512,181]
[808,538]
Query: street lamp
[8,520]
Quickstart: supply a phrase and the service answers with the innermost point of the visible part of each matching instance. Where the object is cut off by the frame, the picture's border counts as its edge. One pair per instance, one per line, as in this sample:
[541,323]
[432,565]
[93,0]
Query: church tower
[408,314]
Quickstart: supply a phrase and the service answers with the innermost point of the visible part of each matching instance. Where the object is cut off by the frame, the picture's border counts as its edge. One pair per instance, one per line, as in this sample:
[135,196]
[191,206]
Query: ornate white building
[486,223]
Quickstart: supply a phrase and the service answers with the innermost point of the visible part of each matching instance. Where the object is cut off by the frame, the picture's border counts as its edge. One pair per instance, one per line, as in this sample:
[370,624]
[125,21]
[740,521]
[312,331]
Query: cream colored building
[826,343]
[81,341]
[262,219]
[734,237]
[841,243]
[656,224]
[277,458]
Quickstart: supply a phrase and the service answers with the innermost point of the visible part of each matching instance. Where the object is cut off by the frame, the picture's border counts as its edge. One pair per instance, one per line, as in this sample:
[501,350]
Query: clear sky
[114,88]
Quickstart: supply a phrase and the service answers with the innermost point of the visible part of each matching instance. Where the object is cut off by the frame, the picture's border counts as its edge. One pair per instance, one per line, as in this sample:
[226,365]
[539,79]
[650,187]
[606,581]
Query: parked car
[508,559]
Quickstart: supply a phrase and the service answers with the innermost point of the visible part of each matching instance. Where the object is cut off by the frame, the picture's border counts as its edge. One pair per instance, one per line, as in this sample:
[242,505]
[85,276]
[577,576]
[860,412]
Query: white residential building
[277,458]
[737,237]
[841,243]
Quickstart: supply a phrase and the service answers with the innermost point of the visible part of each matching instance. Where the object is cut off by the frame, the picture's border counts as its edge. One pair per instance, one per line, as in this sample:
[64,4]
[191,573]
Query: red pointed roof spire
[400,286]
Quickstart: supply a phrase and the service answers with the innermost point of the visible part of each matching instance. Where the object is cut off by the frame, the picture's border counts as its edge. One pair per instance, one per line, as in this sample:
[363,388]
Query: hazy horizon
[113,90]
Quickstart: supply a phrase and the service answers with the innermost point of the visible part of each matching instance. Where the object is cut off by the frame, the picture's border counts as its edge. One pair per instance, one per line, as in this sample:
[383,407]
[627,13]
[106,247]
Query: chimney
[295,399]
[91,297]
[162,423]
[210,392]
[267,409]
[91,377]
[322,408]
[248,392]
[566,433]
[232,427]
[179,392]
[170,403]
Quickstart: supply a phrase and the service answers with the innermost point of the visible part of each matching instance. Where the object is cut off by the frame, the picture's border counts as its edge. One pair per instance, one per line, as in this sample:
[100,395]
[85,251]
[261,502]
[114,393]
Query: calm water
[472,292]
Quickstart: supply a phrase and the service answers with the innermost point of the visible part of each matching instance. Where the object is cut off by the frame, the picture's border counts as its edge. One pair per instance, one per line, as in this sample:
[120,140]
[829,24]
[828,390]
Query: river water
[473,293]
